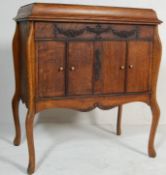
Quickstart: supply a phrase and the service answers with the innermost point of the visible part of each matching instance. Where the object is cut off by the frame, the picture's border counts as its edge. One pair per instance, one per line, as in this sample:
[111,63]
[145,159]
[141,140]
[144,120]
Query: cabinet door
[51,80]
[80,66]
[139,66]
[110,67]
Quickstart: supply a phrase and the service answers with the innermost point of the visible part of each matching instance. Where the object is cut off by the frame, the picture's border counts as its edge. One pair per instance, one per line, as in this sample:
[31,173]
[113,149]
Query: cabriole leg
[15,109]
[16,97]
[30,141]
[155,120]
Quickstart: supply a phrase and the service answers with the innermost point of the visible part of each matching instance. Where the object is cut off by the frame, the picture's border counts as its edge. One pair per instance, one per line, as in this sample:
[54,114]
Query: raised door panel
[139,66]
[80,68]
[51,65]
[110,67]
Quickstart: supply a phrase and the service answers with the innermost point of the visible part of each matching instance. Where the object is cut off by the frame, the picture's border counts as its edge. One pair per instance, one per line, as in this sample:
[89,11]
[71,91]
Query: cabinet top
[84,13]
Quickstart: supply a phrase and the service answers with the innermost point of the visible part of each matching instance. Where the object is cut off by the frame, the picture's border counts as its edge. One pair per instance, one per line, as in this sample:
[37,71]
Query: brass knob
[122,67]
[131,66]
[61,68]
[72,68]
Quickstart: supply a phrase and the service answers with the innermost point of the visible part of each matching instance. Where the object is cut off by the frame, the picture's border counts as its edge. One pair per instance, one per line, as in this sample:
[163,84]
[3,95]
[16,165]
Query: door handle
[122,67]
[72,68]
[97,64]
[131,66]
[61,69]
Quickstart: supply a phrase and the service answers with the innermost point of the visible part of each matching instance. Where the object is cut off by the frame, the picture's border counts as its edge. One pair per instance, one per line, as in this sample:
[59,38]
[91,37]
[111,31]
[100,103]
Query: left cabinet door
[51,68]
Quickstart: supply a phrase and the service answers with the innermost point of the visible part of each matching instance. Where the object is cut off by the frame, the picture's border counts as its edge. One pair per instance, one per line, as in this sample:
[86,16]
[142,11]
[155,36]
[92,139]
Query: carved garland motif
[71,33]
[124,34]
[98,30]
[97,64]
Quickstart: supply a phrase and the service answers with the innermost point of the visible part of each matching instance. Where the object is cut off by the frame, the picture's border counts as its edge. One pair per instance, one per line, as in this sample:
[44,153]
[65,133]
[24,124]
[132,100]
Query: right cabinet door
[139,66]
[109,69]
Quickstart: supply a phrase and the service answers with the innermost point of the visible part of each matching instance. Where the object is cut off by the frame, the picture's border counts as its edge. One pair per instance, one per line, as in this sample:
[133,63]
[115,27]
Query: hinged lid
[62,12]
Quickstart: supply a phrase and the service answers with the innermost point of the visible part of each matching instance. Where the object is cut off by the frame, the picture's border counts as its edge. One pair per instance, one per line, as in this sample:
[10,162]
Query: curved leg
[119,120]
[16,97]
[15,105]
[30,141]
[155,119]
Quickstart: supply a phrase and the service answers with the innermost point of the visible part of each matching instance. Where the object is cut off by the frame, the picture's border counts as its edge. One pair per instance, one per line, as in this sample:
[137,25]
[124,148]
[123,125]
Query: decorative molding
[94,106]
[98,30]
[102,101]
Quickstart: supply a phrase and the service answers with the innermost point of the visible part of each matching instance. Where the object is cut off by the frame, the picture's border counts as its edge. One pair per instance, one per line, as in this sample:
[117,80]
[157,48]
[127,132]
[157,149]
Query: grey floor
[75,149]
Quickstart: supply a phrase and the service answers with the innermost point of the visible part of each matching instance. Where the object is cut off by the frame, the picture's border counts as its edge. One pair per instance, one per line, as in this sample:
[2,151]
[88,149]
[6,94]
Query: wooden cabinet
[83,57]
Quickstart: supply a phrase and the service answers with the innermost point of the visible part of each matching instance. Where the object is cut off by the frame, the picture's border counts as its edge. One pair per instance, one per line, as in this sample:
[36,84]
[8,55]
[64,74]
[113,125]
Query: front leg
[30,141]
[153,102]
[155,120]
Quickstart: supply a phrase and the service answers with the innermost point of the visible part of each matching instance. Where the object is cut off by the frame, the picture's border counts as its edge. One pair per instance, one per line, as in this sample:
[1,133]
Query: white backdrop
[135,113]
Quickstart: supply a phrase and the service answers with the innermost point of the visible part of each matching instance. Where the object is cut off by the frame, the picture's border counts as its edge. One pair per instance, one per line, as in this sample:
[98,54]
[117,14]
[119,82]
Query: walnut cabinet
[83,57]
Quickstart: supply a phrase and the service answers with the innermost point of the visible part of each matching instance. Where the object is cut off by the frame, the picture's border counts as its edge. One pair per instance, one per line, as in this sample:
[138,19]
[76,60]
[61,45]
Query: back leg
[16,97]
[119,120]
[15,109]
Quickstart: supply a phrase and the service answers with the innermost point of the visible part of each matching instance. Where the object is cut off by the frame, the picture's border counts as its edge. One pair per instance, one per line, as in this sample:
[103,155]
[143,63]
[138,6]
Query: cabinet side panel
[24,29]
[156,59]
